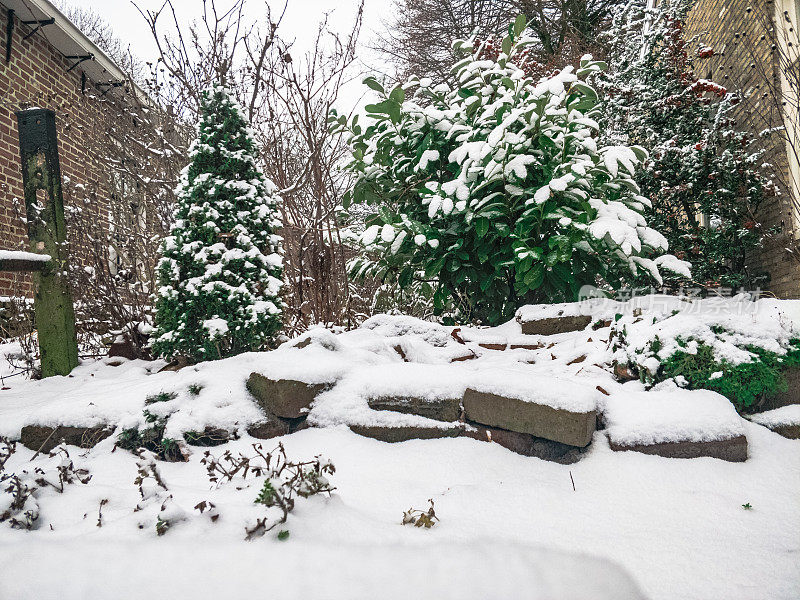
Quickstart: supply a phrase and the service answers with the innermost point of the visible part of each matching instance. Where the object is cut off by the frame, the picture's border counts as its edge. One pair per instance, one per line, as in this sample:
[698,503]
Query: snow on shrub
[705,178]
[496,192]
[220,274]
[739,356]
[20,492]
[284,481]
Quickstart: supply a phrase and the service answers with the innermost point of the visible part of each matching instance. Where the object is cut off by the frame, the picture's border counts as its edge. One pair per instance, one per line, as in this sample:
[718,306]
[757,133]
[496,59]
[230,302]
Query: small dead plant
[421,518]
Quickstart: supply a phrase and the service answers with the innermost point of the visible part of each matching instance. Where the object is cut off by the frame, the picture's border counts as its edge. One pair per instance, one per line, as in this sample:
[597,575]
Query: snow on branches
[221,266]
[705,178]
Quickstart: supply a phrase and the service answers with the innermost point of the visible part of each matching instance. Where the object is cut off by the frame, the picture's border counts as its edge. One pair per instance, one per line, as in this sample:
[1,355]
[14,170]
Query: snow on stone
[785,415]
[550,391]
[346,404]
[20,255]
[669,415]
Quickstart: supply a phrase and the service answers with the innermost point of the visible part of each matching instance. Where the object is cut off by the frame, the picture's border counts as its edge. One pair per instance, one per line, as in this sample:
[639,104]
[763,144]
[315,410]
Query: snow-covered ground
[676,526]
[633,526]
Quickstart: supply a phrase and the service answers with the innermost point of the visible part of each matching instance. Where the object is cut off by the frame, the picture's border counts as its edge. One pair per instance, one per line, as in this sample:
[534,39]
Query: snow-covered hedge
[496,191]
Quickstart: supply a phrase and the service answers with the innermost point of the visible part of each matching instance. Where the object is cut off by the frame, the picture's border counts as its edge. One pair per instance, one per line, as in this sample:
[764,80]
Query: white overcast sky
[300,24]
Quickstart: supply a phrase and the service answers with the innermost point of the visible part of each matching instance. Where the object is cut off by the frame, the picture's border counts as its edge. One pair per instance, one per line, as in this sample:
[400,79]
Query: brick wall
[37,76]
[744,62]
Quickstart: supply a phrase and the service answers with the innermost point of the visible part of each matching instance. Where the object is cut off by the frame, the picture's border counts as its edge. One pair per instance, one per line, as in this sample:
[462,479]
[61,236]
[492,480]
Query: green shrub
[744,384]
[495,193]
[161,397]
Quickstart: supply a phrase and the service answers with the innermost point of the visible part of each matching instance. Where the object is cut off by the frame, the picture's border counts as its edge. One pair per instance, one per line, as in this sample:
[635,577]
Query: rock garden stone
[402,433]
[44,439]
[791,432]
[675,423]
[784,421]
[439,409]
[286,398]
[493,346]
[537,409]
[731,449]
[468,355]
[554,325]
[525,444]
[123,349]
[210,436]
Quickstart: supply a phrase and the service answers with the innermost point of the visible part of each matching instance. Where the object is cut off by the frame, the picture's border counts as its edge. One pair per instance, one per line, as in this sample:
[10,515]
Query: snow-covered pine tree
[221,266]
[495,193]
[705,179]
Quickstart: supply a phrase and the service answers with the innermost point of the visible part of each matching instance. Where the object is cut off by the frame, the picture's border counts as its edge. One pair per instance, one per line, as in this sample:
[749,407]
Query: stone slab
[525,444]
[35,437]
[440,409]
[264,430]
[469,355]
[402,434]
[731,449]
[210,436]
[554,325]
[539,420]
[286,398]
[124,349]
[492,346]
[790,431]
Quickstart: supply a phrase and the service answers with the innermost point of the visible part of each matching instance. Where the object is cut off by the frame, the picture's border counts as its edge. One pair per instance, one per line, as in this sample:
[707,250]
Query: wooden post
[41,179]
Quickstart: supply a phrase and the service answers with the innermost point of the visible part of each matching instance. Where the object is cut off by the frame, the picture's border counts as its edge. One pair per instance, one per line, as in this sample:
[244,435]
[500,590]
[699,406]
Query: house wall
[744,62]
[37,76]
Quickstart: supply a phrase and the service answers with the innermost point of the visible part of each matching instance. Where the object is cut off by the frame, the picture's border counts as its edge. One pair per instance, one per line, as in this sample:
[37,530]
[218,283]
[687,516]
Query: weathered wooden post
[41,180]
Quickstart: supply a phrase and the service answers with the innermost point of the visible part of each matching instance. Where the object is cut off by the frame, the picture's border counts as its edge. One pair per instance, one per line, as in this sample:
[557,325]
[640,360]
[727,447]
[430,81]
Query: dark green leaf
[519,24]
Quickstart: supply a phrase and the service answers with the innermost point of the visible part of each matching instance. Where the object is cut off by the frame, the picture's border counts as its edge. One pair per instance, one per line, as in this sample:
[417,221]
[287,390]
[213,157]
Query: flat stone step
[210,436]
[675,423]
[44,438]
[732,449]
[557,410]
[784,421]
[525,444]
[552,319]
[555,325]
[388,433]
[439,409]
[287,398]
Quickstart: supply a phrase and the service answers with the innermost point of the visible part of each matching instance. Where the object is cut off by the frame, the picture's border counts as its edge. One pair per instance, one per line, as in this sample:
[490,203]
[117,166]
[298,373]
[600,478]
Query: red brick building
[752,49]
[46,62]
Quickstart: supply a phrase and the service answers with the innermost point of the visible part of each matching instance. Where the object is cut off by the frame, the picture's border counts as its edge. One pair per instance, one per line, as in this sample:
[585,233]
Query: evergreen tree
[705,178]
[221,266]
